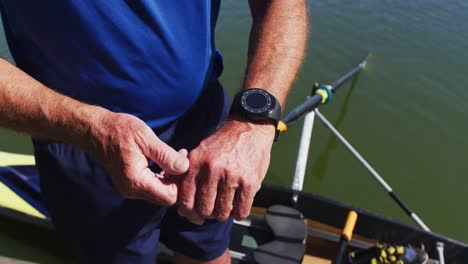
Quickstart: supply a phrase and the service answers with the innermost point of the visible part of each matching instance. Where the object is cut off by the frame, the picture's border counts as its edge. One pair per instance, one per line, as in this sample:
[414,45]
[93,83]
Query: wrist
[265,128]
[94,122]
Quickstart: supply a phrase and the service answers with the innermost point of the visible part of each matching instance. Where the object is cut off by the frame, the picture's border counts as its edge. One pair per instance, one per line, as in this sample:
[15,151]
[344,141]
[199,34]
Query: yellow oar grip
[282,127]
[350,224]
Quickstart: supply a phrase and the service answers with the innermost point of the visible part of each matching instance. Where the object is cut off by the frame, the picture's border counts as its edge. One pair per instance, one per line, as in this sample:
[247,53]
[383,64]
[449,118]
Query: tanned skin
[227,169]
[229,166]
[123,143]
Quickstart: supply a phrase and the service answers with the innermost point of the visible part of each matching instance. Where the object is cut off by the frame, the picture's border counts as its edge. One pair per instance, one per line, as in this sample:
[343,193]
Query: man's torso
[149,58]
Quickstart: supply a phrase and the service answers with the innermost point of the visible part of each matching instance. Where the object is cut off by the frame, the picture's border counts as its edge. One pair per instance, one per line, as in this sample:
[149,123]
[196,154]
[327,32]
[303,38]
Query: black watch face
[256,101]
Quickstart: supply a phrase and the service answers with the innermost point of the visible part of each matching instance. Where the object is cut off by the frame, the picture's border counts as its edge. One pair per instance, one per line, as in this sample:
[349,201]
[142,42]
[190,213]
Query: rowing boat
[19,200]
[286,225]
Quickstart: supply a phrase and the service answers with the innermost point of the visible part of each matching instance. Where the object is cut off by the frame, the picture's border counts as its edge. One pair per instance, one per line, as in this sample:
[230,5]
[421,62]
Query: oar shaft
[315,100]
[345,237]
[336,84]
[372,171]
[342,245]
[309,105]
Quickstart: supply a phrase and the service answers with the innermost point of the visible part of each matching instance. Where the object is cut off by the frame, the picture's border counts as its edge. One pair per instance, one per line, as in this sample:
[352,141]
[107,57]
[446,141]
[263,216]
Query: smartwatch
[257,105]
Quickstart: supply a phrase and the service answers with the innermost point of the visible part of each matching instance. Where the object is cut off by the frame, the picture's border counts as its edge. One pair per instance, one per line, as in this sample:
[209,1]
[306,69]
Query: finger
[182,211]
[224,201]
[191,216]
[243,202]
[155,189]
[206,192]
[195,218]
[167,158]
[187,191]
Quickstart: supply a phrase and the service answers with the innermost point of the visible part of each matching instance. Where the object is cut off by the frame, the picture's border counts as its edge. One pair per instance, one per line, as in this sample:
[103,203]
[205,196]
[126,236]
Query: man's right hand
[122,142]
[125,145]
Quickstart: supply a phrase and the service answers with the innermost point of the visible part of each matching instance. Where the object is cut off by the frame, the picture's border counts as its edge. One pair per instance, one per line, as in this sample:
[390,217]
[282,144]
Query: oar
[345,237]
[319,98]
[321,95]
[308,108]
[373,172]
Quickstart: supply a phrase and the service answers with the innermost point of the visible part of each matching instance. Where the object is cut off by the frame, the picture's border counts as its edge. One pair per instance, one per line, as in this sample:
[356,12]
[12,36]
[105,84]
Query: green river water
[407,114]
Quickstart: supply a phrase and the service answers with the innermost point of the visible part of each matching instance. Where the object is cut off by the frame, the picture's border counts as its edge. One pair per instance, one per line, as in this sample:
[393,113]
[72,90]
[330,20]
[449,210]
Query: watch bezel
[269,112]
[265,110]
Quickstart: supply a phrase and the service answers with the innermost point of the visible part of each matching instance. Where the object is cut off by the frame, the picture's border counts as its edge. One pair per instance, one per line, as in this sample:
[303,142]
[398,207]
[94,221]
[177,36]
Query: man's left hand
[226,171]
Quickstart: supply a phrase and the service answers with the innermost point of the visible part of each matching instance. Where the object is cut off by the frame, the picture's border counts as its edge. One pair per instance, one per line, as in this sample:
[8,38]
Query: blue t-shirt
[149,58]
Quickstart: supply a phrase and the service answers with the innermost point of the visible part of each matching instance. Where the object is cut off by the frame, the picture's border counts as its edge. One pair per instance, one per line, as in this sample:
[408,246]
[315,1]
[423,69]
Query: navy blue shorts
[103,227]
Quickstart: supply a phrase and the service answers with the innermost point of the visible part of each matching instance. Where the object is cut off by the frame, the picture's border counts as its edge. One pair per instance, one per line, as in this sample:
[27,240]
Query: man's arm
[277,45]
[120,141]
[227,169]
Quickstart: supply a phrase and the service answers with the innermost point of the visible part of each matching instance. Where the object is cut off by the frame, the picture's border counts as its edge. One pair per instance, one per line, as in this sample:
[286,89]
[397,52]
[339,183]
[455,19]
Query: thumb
[169,160]
[163,173]
[183,152]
